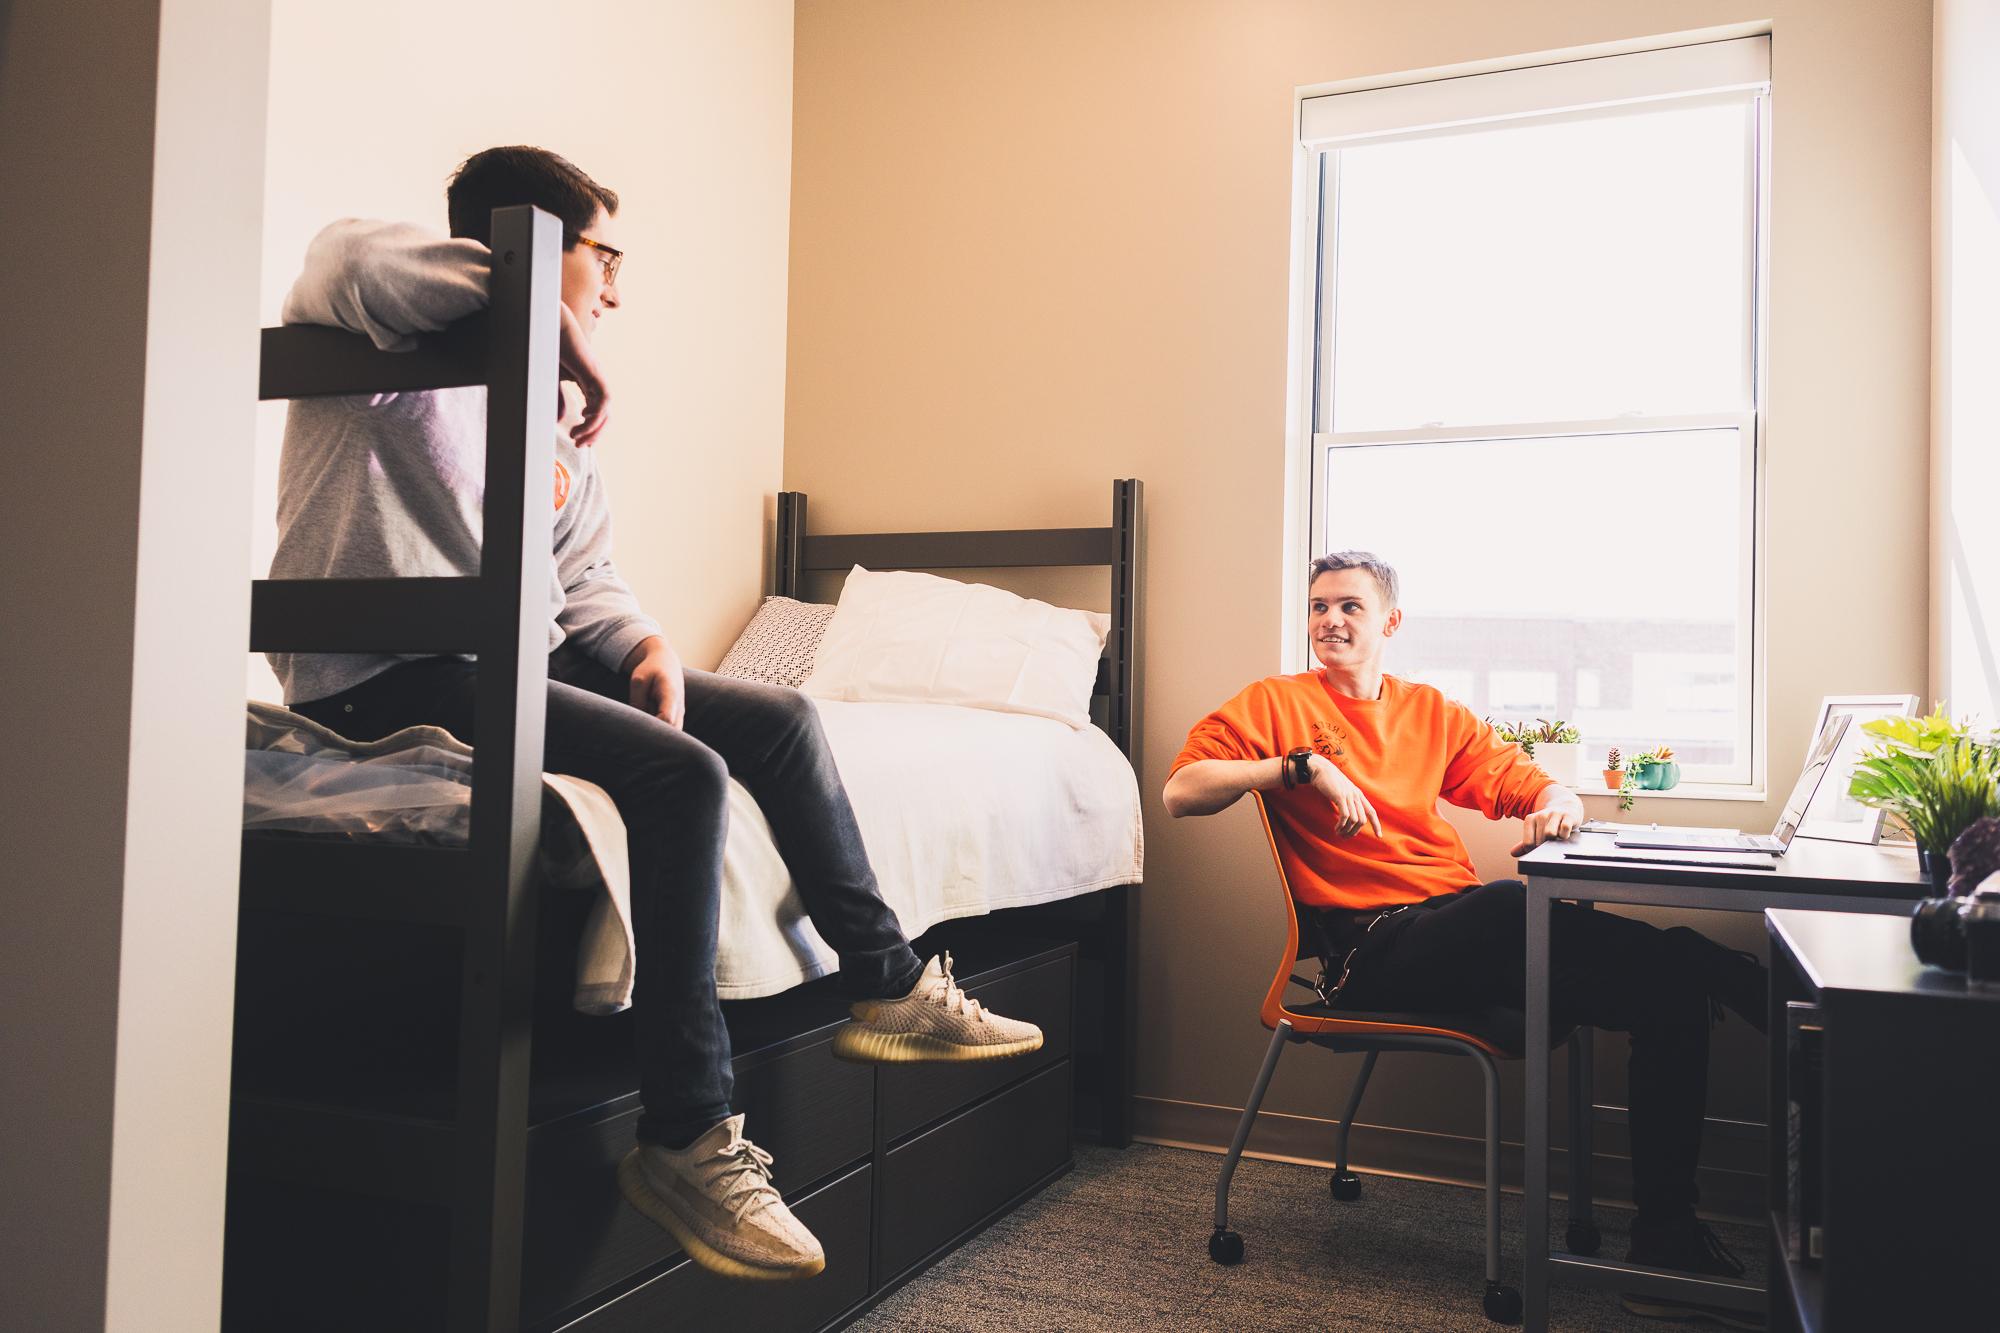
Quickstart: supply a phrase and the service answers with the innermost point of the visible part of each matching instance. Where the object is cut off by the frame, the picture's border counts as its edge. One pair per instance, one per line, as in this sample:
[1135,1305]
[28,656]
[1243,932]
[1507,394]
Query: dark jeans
[671,788]
[1468,950]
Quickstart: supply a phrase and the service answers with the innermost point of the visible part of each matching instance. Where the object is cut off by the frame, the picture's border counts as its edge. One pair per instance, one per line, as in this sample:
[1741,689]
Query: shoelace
[953,999]
[745,1175]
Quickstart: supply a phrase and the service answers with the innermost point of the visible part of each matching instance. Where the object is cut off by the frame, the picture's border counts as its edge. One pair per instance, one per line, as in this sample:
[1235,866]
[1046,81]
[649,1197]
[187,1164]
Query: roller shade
[1740,65]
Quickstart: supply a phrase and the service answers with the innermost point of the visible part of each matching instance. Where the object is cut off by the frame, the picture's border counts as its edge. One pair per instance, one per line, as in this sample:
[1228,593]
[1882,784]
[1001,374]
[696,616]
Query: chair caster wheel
[1346,1186]
[1503,1303]
[1583,1238]
[1226,1247]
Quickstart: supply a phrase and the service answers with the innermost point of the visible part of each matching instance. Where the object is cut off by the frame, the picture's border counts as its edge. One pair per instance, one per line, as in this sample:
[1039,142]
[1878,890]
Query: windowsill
[1686,791]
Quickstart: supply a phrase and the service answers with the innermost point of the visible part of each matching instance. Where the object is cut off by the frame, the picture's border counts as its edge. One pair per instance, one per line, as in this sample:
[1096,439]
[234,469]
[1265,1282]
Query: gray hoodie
[391,485]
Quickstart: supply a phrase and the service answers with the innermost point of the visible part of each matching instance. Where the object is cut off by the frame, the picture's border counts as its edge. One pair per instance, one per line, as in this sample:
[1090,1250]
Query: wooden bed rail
[502,616]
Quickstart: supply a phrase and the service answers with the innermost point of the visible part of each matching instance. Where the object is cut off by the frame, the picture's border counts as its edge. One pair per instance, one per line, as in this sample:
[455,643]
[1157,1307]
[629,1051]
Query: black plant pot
[1937,869]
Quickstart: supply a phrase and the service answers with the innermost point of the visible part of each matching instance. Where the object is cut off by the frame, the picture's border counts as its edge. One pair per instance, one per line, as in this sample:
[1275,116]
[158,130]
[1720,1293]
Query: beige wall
[1965,333]
[684,108]
[129,139]
[1039,245]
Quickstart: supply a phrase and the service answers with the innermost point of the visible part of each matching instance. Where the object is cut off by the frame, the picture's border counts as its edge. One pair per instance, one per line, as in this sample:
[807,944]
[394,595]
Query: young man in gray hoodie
[391,485]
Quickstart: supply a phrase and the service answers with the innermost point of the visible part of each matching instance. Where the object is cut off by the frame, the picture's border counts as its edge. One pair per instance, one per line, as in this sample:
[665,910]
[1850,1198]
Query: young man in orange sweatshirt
[1352,763]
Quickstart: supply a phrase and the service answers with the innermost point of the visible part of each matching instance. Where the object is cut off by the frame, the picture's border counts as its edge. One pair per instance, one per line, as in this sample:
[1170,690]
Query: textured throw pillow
[778,645]
[917,638]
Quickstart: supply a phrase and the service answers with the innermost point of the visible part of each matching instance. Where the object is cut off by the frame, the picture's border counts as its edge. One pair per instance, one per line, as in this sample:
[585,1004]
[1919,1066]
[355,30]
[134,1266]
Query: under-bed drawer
[689,1297]
[812,1112]
[912,1096]
[949,1179]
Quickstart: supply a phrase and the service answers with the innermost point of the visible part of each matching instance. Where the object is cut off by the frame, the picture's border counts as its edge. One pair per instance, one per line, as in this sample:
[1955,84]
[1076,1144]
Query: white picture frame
[1833,815]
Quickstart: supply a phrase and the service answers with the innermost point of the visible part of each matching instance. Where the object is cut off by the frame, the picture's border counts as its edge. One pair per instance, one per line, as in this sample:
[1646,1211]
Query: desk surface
[1840,951]
[1811,866]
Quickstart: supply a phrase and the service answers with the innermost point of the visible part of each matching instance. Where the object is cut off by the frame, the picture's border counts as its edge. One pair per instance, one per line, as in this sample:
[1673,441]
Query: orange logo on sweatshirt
[562,486]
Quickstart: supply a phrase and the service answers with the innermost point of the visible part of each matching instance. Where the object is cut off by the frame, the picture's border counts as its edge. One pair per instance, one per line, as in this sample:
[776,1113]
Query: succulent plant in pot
[1614,769]
[1934,776]
[1558,748]
[1655,770]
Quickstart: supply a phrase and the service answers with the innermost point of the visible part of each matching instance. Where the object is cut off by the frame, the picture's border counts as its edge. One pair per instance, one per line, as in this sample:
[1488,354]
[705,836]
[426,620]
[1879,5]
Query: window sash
[1326,165]
[1745,770]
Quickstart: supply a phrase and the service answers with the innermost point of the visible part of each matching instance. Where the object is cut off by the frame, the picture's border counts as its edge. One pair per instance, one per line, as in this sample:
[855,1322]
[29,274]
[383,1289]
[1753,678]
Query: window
[1534,390]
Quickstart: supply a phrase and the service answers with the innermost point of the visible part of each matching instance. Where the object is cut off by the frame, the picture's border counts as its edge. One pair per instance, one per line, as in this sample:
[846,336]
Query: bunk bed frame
[1104,924]
[402,1107]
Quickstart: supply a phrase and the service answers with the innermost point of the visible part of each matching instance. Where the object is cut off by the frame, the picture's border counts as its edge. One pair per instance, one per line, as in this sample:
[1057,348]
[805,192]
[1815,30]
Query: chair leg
[1502,1302]
[1225,1246]
[1346,1185]
[1581,1236]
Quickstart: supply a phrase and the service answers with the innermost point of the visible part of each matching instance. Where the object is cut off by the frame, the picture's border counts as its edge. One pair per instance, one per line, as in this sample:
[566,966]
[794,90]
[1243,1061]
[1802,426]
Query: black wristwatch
[1298,767]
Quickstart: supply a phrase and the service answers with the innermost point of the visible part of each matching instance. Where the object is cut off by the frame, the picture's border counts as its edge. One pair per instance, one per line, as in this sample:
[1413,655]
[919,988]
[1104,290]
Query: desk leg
[1535,1139]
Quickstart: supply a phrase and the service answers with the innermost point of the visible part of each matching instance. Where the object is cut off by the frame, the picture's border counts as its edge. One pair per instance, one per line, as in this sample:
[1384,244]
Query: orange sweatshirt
[1404,750]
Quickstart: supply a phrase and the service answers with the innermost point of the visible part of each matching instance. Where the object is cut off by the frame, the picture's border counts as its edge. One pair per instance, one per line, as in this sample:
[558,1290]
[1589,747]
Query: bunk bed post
[497,982]
[1121,905]
[791,542]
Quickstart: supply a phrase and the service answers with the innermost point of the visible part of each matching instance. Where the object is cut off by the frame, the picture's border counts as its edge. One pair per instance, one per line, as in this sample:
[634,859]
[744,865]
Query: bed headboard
[1117,546]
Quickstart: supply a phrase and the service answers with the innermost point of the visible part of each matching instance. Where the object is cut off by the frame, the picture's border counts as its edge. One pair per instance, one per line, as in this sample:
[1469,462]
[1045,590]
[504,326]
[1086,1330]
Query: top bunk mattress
[963,811]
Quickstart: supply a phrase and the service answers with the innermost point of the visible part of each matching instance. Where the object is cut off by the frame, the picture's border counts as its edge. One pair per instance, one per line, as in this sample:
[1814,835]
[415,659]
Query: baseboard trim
[1733,1191]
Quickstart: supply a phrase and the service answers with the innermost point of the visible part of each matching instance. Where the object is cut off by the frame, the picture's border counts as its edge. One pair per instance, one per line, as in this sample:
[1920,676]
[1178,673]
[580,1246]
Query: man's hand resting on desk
[658,685]
[1560,815]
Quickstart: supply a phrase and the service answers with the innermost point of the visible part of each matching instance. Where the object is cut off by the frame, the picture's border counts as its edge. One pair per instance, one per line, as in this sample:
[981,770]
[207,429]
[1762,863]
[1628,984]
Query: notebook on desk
[1732,847]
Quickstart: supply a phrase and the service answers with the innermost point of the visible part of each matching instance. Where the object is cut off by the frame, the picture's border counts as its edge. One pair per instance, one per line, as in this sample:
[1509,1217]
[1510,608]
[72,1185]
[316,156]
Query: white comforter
[963,811]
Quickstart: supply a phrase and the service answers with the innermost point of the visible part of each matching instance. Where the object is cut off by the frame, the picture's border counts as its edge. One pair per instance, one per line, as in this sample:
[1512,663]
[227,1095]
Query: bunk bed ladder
[487,890]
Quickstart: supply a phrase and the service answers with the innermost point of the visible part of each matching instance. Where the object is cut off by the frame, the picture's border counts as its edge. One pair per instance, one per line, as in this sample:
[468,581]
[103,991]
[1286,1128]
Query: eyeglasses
[609,256]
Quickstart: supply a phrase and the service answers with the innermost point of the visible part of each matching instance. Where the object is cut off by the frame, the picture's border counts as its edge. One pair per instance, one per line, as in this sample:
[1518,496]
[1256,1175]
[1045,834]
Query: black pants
[1468,950]
[671,788]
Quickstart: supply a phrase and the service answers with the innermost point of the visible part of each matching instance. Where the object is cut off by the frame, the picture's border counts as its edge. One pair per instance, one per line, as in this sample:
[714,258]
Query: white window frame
[1735,70]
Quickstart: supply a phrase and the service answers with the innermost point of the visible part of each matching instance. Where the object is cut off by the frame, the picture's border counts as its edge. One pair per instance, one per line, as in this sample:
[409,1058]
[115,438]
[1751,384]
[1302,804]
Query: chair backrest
[1274,1000]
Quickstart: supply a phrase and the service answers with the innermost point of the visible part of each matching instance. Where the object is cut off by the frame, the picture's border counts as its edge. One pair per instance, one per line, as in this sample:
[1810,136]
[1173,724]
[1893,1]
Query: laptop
[1773,843]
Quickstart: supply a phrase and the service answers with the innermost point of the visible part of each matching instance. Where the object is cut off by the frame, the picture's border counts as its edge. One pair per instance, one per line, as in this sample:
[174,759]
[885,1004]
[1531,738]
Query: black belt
[1341,932]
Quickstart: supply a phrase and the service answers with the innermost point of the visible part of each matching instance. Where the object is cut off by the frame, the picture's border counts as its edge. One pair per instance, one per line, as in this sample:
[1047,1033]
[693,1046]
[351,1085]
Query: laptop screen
[1817,763]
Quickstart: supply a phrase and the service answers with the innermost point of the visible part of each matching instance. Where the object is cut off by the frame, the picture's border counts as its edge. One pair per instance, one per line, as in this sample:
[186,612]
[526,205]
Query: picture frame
[1833,815]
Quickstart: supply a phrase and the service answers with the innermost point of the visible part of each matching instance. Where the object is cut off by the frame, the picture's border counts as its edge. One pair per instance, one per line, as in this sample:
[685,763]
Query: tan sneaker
[935,1021]
[715,1196]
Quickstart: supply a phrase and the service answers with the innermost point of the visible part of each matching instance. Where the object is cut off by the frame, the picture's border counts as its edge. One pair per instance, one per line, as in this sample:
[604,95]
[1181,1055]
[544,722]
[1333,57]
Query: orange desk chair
[1486,1035]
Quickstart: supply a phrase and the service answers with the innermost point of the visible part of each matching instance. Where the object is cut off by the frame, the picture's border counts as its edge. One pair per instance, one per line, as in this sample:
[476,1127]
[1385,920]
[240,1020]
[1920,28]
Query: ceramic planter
[1658,777]
[1614,778]
[1564,763]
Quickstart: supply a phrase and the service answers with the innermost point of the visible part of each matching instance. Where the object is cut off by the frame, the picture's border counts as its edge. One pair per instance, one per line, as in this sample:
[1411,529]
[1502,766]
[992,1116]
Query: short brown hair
[502,177]
[1333,561]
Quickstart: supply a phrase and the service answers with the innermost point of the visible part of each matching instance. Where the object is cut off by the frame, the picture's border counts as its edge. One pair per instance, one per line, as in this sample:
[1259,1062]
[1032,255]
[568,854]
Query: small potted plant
[1655,770]
[1558,748]
[1933,776]
[1614,770]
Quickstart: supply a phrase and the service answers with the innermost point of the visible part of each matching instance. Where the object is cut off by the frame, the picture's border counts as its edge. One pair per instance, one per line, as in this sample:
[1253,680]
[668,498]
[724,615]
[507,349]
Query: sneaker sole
[866,1045]
[632,1184]
[1647,1307]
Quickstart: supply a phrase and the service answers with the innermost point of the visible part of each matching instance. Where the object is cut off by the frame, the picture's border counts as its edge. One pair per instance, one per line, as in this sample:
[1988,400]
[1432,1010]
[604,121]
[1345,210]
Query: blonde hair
[1333,561]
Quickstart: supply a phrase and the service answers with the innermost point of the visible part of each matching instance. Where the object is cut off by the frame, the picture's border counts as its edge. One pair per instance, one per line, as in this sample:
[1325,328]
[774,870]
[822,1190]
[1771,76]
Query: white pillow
[916,638]
[778,644]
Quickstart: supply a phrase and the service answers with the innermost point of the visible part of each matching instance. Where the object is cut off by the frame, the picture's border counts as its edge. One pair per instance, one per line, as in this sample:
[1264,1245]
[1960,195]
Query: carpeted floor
[1122,1243]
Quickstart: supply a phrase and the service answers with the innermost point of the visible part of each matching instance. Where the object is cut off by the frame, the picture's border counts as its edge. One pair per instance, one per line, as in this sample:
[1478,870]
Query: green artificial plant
[1934,776]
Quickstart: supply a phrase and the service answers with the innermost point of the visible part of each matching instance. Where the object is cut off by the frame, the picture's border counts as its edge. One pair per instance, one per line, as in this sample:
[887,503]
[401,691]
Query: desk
[1906,1087]
[1813,876]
